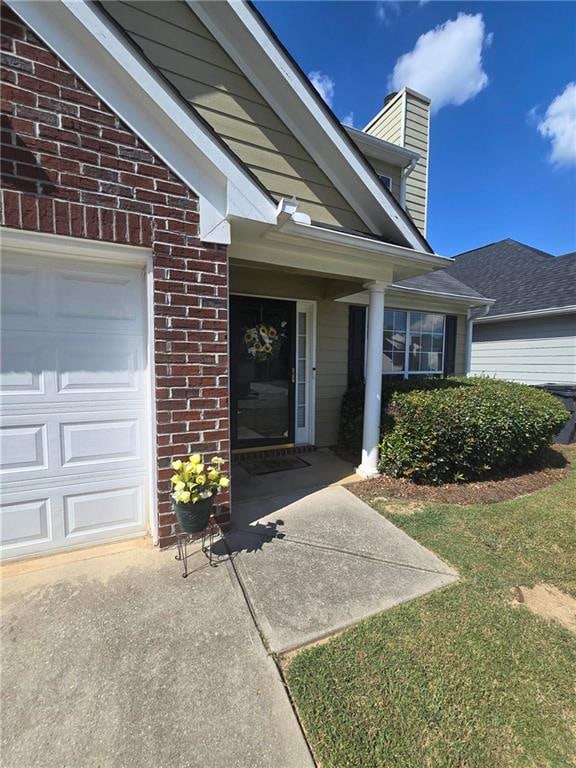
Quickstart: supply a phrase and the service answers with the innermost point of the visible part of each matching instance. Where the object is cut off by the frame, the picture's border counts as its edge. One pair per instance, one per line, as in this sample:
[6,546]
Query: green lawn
[461,677]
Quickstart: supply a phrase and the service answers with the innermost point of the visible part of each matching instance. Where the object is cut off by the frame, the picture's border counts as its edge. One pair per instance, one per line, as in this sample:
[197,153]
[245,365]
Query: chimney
[405,120]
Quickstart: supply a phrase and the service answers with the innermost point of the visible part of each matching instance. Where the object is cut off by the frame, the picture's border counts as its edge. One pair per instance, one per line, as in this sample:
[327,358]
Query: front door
[263,368]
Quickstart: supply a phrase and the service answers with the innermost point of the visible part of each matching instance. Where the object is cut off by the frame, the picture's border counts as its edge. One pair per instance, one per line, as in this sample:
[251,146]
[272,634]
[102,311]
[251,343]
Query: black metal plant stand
[208,536]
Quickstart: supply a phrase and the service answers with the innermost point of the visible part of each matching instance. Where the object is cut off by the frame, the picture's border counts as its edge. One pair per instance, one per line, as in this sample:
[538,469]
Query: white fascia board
[336,240]
[246,40]
[96,51]
[568,310]
[378,149]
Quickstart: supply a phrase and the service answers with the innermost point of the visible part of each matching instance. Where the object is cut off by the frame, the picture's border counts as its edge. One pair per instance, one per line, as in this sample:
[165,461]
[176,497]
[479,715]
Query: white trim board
[83,36]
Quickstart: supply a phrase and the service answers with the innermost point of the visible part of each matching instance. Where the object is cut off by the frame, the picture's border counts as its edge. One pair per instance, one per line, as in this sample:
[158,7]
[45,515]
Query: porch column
[373,387]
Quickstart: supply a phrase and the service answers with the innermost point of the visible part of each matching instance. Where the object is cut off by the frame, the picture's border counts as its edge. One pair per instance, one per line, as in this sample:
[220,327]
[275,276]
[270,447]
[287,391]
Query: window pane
[437,343]
[400,321]
[387,364]
[388,320]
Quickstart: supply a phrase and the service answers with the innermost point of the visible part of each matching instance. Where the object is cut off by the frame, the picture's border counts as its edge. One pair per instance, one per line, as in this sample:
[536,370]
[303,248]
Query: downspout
[404,175]
[471,315]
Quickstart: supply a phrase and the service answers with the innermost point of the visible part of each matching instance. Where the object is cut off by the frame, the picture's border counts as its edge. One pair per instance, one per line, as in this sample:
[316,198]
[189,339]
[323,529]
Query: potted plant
[194,486]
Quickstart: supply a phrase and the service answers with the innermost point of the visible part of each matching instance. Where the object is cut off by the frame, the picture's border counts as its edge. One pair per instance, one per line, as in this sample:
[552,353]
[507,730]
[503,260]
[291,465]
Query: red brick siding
[71,167]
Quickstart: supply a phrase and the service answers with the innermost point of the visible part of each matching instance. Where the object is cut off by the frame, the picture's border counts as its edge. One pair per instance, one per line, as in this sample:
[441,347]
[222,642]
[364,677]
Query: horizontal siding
[416,138]
[331,369]
[389,125]
[175,40]
[533,351]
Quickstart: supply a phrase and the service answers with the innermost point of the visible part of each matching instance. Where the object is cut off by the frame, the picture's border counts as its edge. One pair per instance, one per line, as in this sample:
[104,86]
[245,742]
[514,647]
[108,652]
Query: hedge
[352,408]
[465,432]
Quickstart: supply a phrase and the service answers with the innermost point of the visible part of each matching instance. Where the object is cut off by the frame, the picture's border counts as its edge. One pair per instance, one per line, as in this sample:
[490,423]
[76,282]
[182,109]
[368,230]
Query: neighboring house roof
[439,282]
[521,278]
[227,64]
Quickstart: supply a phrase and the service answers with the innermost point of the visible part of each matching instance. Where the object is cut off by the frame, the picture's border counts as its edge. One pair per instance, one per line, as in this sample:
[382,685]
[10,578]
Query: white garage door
[74,428]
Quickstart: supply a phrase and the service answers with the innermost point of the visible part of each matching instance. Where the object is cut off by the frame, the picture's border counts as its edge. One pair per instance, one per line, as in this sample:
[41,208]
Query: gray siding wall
[190,58]
[533,351]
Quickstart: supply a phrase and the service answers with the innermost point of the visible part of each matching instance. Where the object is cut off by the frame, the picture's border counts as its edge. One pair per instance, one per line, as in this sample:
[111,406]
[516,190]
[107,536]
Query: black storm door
[262,368]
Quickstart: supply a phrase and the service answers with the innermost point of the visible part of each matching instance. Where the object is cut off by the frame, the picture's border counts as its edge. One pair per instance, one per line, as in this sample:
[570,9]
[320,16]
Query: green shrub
[466,432]
[352,408]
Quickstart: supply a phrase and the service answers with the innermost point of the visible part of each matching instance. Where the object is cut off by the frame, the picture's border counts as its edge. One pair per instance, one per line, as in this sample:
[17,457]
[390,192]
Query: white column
[373,388]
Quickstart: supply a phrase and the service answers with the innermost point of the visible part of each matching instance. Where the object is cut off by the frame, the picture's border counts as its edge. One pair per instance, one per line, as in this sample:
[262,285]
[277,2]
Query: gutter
[479,301]
[403,177]
[532,313]
[297,226]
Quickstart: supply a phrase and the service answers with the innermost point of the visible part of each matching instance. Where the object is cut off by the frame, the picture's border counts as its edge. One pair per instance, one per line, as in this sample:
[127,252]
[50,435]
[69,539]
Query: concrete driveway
[117,661]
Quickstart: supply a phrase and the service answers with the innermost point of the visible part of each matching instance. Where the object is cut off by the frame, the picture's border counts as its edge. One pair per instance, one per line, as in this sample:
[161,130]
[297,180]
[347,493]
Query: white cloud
[446,62]
[348,119]
[387,10]
[324,85]
[559,125]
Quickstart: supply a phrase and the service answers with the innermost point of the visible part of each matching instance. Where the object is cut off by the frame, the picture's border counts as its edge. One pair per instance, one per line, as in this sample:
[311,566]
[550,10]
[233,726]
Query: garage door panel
[90,295]
[23,447]
[107,441]
[102,510]
[41,445]
[99,365]
[22,296]
[23,368]
[72,515]
[25,523]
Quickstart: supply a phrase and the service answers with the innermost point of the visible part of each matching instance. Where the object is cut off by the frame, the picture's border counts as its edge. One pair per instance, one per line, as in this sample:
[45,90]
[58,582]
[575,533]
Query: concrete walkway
[118,662]
[314,562]
[111,660]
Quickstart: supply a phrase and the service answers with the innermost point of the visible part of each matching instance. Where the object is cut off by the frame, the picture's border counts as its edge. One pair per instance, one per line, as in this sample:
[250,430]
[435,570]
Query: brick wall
[71,167]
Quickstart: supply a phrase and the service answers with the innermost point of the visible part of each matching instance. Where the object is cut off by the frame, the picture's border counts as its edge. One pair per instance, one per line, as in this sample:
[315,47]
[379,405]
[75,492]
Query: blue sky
[503,161]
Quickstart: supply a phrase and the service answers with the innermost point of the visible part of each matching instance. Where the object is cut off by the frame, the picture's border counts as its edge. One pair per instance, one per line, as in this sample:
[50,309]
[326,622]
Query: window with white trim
[413,343]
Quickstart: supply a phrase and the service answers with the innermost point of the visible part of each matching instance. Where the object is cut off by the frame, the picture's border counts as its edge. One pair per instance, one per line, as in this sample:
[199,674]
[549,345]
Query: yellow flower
[185,497]
[177,465]
[224,482]
[213,474]
[272,332]
[200,479]
[196,458]
[216,460]
[175,479]
[268,348]
[179,486]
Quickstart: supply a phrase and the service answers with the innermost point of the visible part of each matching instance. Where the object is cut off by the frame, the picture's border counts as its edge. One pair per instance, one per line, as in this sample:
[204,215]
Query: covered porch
[291,288]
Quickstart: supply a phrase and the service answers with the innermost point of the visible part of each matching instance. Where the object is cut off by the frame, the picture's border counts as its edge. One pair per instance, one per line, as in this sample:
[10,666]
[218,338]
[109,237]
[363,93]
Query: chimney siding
[405,120]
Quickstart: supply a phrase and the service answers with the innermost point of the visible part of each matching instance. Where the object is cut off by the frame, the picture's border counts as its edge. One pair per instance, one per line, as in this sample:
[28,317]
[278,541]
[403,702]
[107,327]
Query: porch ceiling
[287,281]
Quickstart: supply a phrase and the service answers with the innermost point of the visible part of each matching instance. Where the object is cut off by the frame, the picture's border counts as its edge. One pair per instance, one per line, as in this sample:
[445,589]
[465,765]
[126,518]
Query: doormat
[268,465]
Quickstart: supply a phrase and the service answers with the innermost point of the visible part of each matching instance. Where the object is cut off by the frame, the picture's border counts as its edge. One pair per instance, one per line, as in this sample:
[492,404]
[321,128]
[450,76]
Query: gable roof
[257,51]
[519,277]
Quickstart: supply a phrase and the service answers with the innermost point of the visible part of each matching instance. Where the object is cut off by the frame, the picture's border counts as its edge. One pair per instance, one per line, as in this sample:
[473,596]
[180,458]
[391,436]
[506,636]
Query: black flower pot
[193,518]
